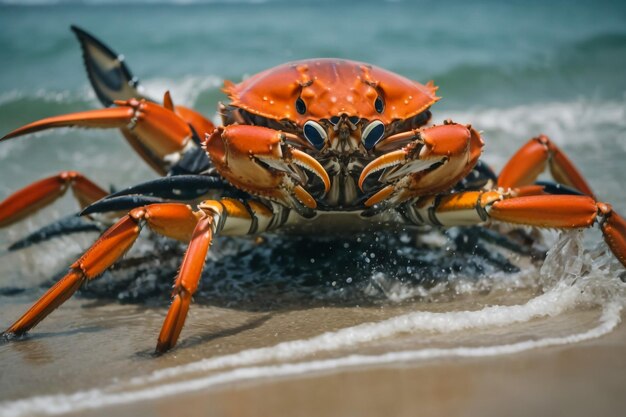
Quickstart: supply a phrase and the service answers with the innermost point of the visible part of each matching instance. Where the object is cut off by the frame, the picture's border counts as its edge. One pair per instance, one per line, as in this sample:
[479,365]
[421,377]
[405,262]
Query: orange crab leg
[178,221]
[560,211]
[153,130]
[43,192]
[614,230]
[101,118]
[186,283]
[170,219]
[554,211]
[530,161]
[565,212]
[227,216]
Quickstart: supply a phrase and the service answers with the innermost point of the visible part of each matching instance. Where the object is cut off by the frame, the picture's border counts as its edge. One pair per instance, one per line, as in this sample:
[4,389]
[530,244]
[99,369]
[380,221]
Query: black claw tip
[556,188]
[178,187]
[123,203]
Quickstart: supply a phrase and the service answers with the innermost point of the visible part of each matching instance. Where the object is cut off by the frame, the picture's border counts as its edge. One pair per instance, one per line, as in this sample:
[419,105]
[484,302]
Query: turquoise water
[480,53]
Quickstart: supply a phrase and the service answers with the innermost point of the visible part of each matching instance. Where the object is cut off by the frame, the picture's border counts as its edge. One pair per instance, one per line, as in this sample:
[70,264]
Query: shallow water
[291,307]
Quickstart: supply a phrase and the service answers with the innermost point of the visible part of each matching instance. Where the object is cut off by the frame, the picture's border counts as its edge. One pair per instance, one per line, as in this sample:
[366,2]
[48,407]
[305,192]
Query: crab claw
[156,132]
[614,230]
[438,158]
[258,160]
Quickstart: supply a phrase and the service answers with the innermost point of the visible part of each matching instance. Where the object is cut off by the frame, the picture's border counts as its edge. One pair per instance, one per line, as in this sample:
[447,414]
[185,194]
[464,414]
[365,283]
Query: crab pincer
[258,160]
[435,160]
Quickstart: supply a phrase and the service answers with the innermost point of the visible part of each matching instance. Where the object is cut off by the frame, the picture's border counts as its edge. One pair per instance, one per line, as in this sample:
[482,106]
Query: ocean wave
[47,96]
[185,91]
[561,119]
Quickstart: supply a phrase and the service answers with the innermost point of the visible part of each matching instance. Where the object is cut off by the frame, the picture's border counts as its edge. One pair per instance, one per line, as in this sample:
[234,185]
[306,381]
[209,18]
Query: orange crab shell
[330,87]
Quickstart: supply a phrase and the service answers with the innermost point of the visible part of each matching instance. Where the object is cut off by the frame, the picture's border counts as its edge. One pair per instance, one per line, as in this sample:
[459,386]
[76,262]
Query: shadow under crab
[293,272]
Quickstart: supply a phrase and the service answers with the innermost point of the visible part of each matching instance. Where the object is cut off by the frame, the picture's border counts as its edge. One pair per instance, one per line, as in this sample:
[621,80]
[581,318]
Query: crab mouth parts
[395,172]
[295,164]
[399,164]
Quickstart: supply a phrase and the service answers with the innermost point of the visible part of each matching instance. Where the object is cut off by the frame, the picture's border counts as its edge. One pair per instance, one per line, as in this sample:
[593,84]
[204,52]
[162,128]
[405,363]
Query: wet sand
[582,380]
[89,344]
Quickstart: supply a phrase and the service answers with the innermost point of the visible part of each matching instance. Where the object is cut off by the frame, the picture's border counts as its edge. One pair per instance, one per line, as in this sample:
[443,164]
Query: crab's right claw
[258,160]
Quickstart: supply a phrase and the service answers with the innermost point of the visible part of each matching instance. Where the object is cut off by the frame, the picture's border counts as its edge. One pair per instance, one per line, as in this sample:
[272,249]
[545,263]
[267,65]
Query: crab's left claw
[258,160]
[436,159]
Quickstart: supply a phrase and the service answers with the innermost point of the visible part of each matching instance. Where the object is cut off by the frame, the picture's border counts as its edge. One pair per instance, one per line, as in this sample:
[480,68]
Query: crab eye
[354,119]
[300,106]
[379,104]
[335,119]
[372,134]
[315,134]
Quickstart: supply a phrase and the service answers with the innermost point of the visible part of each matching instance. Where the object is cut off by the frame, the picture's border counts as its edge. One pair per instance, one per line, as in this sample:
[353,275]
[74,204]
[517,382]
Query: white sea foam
[557,119]
[549,304]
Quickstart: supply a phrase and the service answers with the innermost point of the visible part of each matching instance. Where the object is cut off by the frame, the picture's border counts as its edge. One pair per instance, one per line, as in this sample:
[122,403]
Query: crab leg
[175,188]
[178,221]
[227,217]
[43,192]
[187,281]
[530,161]
[172,220]
[553,211]
[159,134]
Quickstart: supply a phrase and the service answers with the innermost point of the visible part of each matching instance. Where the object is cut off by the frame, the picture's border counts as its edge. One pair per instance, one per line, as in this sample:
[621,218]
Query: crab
[313,146]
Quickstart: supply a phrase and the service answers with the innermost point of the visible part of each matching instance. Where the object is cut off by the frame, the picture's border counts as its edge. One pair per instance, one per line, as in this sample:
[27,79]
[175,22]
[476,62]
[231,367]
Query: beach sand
[581,380]
[89,344]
